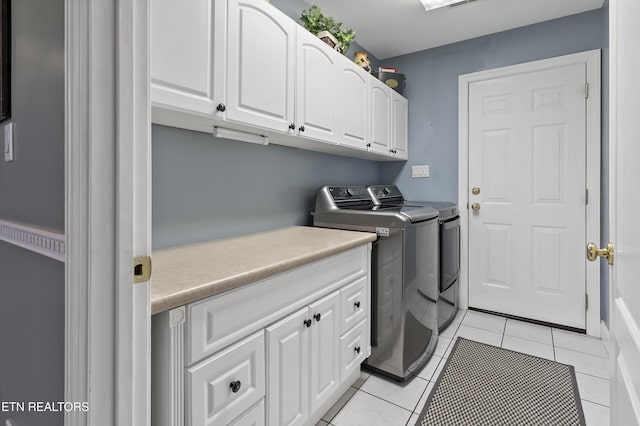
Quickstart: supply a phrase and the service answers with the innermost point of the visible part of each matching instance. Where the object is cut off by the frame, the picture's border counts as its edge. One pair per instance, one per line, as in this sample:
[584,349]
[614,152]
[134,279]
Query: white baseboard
[604,331]
[605,336]
[46,243]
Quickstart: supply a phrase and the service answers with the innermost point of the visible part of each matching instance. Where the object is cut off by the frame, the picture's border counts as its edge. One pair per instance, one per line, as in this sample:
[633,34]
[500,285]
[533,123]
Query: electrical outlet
[8,142]
[421,171]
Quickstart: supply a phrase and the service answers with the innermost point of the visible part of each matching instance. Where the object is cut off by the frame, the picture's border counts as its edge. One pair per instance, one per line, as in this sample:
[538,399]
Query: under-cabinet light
[237,135]
[435,4]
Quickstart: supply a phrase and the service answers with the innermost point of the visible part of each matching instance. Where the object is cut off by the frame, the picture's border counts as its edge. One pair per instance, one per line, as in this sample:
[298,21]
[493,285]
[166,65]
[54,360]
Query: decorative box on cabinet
[283,344]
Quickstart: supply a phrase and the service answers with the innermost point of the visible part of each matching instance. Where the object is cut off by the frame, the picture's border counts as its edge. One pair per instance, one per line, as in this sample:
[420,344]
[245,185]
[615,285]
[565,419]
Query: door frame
[592,232]
[107,211]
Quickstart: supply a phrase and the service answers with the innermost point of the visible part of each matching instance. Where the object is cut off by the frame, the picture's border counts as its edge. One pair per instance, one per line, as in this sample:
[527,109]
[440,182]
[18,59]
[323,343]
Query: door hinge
[586,191]
[586,302]
[586,90]
[141,269]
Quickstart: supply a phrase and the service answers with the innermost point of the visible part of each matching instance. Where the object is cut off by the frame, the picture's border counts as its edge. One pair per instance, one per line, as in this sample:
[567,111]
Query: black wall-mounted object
[5,59]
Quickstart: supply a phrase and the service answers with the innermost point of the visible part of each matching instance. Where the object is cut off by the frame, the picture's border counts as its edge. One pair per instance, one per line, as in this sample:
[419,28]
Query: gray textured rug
[486,385]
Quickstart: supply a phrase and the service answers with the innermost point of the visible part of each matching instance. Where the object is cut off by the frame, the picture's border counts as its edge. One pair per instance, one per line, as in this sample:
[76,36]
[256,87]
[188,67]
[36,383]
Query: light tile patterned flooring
[373,401]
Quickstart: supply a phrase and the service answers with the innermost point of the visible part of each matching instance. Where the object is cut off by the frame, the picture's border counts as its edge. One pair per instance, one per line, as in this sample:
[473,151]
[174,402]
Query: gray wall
[31,333]
[32,187]
[432,90]
[206,188]
[32,192]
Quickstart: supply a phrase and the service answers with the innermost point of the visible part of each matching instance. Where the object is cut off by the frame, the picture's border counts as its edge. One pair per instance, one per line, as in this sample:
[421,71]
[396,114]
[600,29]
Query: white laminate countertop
[189,273]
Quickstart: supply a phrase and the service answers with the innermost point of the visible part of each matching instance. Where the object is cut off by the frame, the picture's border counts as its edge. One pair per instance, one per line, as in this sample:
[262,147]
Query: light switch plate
[8,142]
[421,171]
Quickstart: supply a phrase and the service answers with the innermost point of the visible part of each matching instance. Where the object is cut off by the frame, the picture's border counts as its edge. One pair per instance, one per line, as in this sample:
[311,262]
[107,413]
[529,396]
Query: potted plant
[327,29]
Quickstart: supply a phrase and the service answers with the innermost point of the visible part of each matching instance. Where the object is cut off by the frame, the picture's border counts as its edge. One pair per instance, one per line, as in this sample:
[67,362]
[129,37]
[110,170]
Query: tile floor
[373,401]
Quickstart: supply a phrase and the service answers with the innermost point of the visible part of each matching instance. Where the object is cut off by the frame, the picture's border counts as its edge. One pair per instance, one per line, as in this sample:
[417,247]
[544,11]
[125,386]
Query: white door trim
[592,61]
[76,380]
[107,135]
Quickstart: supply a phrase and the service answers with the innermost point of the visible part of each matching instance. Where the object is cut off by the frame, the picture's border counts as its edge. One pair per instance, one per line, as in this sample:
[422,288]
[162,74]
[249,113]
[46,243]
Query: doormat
[486,385]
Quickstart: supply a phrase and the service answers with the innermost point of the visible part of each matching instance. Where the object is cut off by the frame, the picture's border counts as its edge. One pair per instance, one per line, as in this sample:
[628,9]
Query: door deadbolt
[475,190]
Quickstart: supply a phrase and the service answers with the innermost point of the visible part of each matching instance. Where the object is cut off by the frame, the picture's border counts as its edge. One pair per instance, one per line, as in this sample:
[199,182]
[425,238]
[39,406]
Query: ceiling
[388,28]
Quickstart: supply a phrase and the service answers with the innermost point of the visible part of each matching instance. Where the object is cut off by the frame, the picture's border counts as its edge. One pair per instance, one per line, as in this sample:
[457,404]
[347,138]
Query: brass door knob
[593,252]
[475,190]
[475,207]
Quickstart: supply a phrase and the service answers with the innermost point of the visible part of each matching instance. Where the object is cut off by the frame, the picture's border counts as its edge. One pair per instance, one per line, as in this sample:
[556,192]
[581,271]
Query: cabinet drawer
[253,417]
[219,321]
[211,396]
[354,303]
[353,350]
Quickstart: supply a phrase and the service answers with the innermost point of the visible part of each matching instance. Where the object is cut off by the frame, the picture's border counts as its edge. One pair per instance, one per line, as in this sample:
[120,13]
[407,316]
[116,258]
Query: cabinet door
[288,370]
[399,125]
[227,384]
[380,117]
[353,350]
[316,88]
[325,353]
[354,303]
[260,77]
[354,109]
[187,50]
[253,417]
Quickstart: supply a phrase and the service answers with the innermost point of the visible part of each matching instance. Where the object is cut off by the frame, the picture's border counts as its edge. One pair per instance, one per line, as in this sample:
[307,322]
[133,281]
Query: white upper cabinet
[380,117]
[353,108]
[246,66]
[399,125]
[187,53]
[316,88]
[260,71]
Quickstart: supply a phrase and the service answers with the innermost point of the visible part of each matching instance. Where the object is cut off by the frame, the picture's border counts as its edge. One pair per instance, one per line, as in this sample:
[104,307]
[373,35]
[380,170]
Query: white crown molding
[46,243]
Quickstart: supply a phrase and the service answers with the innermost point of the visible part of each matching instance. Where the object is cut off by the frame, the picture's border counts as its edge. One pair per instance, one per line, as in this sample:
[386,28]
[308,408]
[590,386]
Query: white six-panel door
[527,156]
[624,205]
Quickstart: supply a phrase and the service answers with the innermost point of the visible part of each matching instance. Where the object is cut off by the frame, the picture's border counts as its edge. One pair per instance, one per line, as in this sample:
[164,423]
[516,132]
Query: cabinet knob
[317,317]
[221,107]
[235,386]
[307,323]
[301,128]
[357,349]
[369,145]
[357,305]
[292,126]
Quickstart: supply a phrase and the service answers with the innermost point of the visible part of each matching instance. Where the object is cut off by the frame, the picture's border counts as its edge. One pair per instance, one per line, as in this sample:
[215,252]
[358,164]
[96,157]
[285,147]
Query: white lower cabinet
[353,349]
[224,386]
[253,417]
[288,371]
[296,347]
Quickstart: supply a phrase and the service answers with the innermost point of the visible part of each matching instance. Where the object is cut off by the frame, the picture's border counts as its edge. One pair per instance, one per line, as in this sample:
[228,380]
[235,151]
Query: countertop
[189,273]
